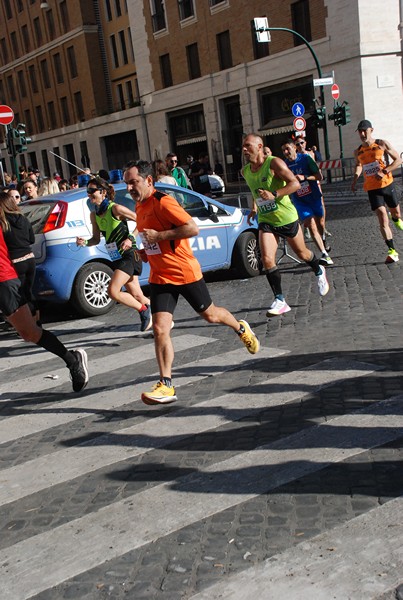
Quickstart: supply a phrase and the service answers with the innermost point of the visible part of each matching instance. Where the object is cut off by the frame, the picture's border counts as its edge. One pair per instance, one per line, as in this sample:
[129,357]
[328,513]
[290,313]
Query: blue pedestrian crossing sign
[298,109]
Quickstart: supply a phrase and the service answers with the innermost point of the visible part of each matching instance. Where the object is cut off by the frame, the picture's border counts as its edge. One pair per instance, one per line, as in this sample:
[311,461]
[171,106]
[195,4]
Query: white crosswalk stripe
[53,555]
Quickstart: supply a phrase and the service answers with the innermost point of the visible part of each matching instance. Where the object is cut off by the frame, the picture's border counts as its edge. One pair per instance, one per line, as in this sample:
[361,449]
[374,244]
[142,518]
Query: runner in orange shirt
[378,182]
[165,228]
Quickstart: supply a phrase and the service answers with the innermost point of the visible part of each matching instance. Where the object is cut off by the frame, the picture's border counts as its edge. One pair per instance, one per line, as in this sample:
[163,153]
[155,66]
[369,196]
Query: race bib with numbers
[371,169]
[113,251]
[153,248]
[265,206]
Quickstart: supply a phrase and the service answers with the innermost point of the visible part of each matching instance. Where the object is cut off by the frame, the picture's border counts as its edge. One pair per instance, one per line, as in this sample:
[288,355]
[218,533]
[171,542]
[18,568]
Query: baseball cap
[364,124]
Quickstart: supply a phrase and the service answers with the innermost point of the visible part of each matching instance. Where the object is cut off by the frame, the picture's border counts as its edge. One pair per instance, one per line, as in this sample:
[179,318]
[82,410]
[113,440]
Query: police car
[66,272]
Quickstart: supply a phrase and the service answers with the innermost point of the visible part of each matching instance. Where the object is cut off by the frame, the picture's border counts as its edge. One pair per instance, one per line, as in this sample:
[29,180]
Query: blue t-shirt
[309,191]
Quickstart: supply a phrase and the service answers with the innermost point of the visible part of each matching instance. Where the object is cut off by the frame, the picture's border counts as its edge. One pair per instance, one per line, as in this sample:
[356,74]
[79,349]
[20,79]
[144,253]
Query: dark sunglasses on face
[93,190]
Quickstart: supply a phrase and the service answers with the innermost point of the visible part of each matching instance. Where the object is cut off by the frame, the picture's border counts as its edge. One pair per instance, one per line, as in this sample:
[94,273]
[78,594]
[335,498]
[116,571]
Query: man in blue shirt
[308,198]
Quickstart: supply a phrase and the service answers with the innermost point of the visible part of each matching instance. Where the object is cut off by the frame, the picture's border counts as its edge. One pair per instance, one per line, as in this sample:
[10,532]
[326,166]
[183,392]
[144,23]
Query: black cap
[364,124]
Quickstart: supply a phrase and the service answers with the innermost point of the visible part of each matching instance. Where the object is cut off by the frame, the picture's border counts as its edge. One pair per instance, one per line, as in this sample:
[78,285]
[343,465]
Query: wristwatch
[274,192]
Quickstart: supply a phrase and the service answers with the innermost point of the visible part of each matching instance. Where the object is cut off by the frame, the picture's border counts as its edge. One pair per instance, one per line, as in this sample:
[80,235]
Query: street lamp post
[322,94]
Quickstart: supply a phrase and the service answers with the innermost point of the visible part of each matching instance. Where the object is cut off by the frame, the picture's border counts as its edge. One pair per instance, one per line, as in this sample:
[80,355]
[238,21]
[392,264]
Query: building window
[58,68]
[7,8]
[166,73]
[301,21]
[21,84]
[65,111]
[129,37]
[224,50]
[38,31]
[121,99]
[71,57]
[64,13]
[192,54]
[25,38]
[11,88]
[158,15]
[39,119]
[14,44]
[4,50]
[122,40]
[129,94]
[32,79]
[108,10]
[118,8]
[45,74]
[51,24]
[45,162]
[28,120]
[260,49]
[114,51]
[52,115]
[186,9]
[78,101]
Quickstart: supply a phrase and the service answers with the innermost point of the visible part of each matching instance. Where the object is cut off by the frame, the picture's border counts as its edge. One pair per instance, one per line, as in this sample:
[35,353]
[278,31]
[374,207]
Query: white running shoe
[323,284]
[279,307]
[325,260]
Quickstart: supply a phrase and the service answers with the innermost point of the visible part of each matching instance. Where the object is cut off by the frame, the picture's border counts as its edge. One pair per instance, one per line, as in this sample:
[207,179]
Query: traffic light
[20,139]
[319,116]
[346,114]
[10,142]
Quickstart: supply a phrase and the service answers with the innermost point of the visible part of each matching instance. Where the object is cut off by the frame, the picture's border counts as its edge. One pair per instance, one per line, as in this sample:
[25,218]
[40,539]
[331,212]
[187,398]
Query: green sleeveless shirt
[277,212]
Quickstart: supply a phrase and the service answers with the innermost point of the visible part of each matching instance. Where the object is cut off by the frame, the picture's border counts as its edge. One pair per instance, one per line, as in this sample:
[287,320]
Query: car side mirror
[212,213]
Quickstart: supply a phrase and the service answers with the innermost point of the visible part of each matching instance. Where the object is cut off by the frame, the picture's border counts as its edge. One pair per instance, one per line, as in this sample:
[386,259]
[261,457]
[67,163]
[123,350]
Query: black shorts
[130,263]
[285,231]
[164,297]
[382,196]
[11,296]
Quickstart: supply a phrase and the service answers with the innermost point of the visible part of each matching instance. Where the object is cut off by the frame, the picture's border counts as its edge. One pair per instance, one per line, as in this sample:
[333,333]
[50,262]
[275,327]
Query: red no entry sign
[6,115]
[335,91]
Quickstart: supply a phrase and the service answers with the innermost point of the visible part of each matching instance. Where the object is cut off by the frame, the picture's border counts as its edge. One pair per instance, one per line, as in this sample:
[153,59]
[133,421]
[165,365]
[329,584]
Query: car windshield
[37,213]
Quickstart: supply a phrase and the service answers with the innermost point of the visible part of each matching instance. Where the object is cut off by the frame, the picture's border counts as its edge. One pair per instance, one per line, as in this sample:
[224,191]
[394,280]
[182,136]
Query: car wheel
[246,255]
[90,290]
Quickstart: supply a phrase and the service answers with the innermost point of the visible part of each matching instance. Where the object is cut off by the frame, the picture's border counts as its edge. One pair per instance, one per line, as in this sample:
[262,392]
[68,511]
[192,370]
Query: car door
[211,245]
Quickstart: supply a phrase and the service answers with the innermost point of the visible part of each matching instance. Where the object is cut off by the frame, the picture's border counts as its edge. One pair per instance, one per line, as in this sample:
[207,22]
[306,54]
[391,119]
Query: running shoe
[146,318]
[323,284]
[399,224]
[278,307]
[160,394]
[392,256]
[249,338]
[79,371]
[325,260]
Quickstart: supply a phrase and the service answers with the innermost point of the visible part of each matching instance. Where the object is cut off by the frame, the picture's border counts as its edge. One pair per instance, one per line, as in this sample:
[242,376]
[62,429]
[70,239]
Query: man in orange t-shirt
[165,228]
[378,182]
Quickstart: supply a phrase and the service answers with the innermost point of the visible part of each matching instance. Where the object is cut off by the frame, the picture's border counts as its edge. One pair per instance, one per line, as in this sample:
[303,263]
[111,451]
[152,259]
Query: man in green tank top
[271,183]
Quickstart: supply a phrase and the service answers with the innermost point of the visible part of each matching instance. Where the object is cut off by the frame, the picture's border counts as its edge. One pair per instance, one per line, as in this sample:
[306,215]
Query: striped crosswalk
[75,505]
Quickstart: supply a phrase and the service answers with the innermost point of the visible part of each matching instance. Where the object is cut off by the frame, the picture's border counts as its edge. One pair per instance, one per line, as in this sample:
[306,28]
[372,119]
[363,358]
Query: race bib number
[153,248]
[266,206]
[371,169]
[113,251]
[304,190]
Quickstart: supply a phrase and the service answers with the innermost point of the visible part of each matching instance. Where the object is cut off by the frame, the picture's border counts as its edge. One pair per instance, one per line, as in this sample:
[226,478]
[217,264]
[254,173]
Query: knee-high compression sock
[52,344]
[314,264]
[274,278]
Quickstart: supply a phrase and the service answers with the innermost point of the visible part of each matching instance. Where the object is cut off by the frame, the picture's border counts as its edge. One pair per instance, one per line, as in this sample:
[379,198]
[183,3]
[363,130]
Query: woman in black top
[19,236]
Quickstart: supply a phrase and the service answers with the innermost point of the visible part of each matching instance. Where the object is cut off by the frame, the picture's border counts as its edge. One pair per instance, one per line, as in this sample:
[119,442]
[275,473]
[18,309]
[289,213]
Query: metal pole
[322,94]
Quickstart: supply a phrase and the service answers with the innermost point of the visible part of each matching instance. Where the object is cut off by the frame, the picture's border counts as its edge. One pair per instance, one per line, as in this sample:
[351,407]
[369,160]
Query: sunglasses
[91,191]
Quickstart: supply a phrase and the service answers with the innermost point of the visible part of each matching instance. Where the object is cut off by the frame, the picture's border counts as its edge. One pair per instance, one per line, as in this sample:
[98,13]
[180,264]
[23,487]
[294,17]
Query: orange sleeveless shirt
[371,158]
